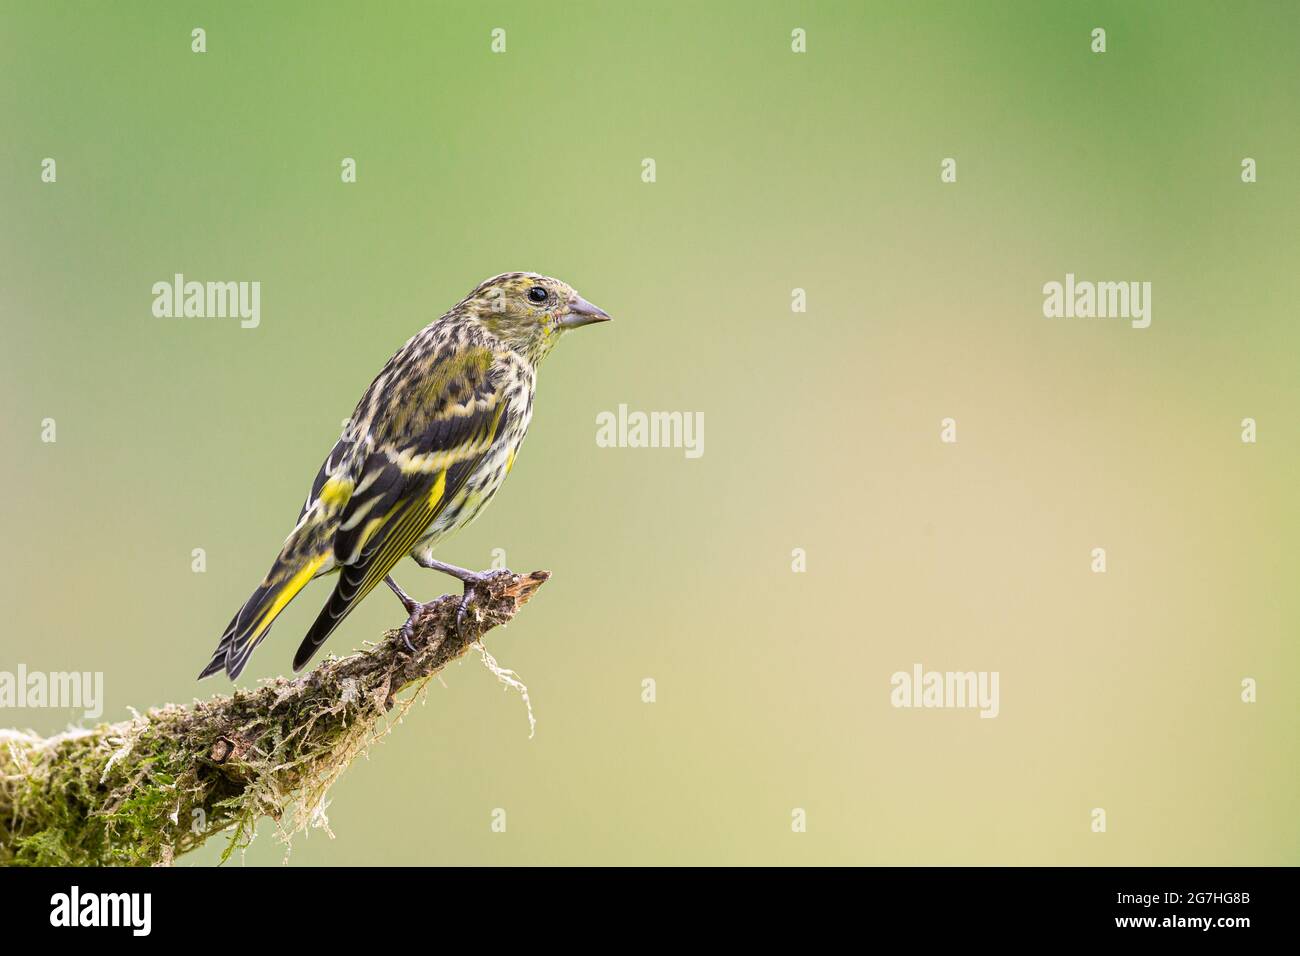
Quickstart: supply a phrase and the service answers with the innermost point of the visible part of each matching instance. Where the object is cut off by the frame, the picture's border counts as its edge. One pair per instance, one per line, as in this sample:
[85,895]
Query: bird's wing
[335,480]
[435,428]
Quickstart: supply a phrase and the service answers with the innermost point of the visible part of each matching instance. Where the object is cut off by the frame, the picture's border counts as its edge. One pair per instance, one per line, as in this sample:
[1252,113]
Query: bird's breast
[483,482]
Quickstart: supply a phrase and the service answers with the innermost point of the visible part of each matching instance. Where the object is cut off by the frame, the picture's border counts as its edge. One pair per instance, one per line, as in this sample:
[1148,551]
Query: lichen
[144,791]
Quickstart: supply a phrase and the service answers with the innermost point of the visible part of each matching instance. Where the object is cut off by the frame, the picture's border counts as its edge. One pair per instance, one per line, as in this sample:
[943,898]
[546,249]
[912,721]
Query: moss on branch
[143,791]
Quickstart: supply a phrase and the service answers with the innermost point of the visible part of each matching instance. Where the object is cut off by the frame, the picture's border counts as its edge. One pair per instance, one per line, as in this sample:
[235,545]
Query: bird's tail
[347,594]
[250,626]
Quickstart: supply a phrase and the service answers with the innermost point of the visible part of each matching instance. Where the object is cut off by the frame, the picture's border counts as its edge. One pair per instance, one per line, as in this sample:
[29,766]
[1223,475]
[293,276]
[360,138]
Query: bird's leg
[408,602]
[424,560]
[469,578]
[413,609]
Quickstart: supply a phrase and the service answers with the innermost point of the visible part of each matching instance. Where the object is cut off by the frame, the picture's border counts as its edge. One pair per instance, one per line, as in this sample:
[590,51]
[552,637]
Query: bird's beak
[581,312]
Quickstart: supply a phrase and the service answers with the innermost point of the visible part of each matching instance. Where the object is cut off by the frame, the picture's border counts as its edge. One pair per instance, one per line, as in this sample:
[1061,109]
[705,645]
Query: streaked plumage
[428,446]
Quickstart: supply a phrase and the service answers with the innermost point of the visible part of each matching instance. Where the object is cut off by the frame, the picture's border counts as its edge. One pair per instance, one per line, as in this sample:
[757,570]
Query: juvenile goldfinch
[428,446]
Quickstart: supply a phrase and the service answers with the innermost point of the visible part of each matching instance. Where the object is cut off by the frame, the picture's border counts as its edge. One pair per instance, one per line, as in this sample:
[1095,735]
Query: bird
[427,447]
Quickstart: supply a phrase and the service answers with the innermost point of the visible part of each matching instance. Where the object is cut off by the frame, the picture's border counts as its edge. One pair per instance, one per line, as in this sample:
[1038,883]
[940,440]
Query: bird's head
[529,312]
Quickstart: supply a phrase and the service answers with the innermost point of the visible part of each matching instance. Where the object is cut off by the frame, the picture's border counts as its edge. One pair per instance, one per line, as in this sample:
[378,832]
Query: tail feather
[347,595]
[250,626]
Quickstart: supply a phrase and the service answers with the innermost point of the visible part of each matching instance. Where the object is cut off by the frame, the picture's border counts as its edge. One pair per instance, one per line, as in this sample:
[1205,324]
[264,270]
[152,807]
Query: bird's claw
[414,609]
[467,600]
[408,629]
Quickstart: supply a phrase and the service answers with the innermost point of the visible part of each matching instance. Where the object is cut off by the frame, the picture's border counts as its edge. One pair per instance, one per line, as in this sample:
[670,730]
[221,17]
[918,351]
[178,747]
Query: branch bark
[144,791]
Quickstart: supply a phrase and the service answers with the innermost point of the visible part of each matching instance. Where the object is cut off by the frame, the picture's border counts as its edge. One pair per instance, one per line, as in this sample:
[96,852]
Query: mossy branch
[144,791]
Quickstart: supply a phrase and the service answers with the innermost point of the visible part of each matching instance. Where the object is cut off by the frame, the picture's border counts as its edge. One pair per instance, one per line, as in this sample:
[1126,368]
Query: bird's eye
[537,294]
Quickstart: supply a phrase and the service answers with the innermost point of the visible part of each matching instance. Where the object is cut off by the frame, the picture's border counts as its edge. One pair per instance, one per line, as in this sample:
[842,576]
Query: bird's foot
[408,629]
[472,580]
[414,610]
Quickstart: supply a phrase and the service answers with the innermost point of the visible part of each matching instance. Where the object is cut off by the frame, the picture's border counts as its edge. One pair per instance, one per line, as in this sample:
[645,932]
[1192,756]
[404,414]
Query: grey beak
[581,312]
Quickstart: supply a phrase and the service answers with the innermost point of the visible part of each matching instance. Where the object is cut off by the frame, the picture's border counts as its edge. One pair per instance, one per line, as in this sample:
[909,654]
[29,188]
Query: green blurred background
[775,171]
